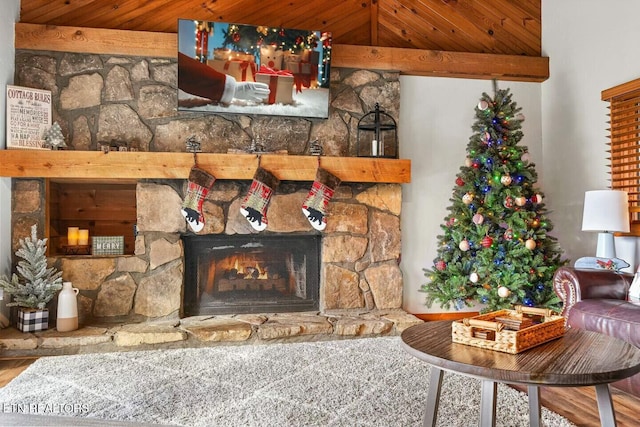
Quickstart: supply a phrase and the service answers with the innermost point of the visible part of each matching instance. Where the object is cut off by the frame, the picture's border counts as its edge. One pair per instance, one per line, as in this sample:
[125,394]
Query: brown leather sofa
[596,300]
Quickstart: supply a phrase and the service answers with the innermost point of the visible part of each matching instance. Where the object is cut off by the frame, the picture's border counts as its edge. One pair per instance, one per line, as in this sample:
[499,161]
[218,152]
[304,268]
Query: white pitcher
[67,308]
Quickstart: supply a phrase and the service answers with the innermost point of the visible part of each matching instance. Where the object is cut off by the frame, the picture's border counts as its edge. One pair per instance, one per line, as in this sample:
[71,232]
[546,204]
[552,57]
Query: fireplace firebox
[250,274]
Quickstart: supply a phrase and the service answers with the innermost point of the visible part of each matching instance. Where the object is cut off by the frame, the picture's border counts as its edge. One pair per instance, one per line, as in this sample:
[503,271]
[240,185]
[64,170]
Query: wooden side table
[580,358]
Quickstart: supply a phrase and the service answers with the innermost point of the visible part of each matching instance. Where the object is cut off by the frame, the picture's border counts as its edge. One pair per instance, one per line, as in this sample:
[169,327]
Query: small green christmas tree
[495,249]
[39,283]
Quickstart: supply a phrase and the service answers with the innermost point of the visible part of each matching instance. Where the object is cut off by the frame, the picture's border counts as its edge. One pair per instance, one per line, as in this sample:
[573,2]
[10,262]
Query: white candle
[374,148]
[83,237]
[72,236]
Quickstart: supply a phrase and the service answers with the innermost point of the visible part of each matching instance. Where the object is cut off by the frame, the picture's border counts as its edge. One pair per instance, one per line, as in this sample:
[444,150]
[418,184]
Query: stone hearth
[208,331]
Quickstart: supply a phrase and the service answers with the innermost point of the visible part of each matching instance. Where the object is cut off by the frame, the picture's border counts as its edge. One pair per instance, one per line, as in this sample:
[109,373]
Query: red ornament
[236,37]
[459,182]
[486,242]
[440,265]
[299,40]
[281,32]
[508,202]
[508,234]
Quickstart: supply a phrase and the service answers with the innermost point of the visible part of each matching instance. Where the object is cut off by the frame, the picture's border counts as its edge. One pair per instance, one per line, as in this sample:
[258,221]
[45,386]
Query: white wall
[592,46]
[9,15]
[436,115]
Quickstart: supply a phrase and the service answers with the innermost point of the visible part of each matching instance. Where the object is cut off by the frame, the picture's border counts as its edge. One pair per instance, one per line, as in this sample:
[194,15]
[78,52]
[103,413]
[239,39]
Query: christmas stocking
[200,182]
[255,204]
[317,201]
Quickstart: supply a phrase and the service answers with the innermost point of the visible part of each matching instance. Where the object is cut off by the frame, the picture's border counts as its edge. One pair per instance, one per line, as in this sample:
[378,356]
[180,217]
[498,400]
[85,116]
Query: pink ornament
[530,244]
[503,292]
[477,219]
[508,234]
[464,245]
[468,162]
[483,105]
[441,265]
[537,198]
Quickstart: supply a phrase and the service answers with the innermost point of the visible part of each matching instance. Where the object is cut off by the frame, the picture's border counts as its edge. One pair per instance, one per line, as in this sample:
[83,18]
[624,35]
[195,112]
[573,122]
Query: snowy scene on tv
[246,69]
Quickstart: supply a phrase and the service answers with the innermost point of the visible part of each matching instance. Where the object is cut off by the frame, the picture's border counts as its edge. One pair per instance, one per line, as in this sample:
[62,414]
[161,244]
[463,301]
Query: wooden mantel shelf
[417,62]
[98,165]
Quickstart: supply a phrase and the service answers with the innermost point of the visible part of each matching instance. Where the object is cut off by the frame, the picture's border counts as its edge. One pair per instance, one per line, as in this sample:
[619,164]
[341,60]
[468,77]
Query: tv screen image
[247,69]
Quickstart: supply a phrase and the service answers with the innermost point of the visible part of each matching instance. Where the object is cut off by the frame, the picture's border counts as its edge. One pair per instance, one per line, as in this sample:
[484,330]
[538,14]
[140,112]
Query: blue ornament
[540,286]
[459,304]
[486,189]
[519,179]
[528,302]
[484,300]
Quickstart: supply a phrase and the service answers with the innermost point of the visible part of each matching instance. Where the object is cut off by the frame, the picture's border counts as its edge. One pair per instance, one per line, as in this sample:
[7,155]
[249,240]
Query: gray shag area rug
[356,382]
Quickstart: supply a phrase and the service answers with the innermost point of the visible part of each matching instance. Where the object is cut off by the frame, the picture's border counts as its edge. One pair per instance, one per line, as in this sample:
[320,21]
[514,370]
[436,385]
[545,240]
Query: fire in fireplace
[250,274]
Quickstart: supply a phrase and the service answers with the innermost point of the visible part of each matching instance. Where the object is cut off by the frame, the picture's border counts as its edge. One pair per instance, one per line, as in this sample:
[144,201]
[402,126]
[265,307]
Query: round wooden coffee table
[579,358]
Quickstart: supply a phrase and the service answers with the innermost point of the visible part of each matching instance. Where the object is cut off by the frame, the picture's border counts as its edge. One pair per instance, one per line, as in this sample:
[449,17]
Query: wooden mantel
[416,62]
[98,165]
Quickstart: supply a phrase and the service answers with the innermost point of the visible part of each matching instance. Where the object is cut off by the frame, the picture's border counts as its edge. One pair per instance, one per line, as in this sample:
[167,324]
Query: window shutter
[624,144]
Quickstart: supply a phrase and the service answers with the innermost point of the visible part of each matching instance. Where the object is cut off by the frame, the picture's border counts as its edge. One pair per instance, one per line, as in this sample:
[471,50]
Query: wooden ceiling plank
[41,11]
[461,28]
[526,28]
[511,36]
[531,8]
[520,19]
[407,61]
[166,18]
[396,20]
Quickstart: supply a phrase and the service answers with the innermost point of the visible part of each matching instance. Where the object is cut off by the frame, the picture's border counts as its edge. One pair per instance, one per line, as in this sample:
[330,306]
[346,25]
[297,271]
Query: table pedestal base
[488,400]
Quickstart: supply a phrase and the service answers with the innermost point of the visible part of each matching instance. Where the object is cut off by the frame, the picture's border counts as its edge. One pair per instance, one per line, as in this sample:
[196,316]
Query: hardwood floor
[576,404]
[579,405]
[12,367]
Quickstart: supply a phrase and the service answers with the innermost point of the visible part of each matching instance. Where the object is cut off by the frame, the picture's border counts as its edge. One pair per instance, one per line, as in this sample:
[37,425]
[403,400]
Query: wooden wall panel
[510,27]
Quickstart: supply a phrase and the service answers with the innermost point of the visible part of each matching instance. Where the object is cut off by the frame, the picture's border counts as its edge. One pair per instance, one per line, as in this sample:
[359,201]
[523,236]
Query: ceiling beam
[417,62]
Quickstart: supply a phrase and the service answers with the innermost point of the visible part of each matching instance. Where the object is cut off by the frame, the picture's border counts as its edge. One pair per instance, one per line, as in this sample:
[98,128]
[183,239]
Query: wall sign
[28,117]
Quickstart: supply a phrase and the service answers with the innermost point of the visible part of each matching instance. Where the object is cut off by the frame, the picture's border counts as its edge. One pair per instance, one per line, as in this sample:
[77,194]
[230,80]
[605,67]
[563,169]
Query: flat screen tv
[247,69]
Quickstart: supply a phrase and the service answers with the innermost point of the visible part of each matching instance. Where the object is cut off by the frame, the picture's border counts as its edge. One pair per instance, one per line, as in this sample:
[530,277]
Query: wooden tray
[482,331]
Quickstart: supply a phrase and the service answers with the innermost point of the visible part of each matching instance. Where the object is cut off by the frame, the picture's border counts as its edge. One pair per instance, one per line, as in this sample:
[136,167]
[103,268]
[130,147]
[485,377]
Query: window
[624,150]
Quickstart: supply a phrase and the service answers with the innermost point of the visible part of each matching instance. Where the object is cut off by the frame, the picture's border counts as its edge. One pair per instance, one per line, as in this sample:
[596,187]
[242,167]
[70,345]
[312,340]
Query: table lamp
[606,211]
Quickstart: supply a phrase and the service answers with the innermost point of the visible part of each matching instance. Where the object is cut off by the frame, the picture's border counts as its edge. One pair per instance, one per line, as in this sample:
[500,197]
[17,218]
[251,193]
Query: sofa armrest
[573,285]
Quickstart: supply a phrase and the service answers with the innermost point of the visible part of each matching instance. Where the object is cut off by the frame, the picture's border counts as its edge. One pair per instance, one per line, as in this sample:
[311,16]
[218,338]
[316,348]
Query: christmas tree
[247,38]
[39,282]
[495,249]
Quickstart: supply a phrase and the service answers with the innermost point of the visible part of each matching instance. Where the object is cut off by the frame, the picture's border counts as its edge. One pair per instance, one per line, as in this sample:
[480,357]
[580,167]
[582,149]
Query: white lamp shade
[606,210]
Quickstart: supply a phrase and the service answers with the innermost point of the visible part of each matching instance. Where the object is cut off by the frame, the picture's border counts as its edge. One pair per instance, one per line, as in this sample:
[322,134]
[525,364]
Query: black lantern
[377,135]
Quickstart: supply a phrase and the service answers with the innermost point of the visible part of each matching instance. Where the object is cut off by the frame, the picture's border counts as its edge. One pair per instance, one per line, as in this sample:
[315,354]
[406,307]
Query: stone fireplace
[130,101]
[357,267]
[250,274]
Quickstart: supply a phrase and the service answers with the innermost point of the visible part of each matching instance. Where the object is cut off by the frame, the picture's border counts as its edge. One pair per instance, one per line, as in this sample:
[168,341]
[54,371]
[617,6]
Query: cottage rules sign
[28,117]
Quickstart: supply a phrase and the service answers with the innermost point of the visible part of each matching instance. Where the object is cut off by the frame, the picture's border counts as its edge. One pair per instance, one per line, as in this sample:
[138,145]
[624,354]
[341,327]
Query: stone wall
[100,99]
